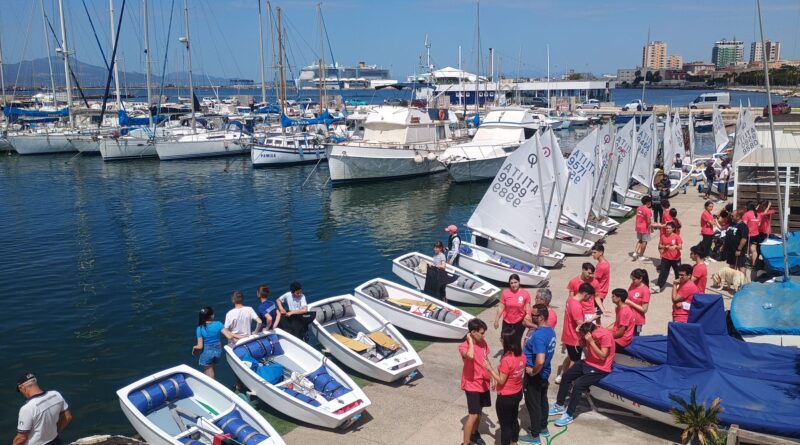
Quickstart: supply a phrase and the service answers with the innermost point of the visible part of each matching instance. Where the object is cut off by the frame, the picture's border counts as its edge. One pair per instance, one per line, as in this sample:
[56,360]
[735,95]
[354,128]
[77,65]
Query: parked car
[634,105]
[778,109]
[538,102]
[591,104]
[711,100]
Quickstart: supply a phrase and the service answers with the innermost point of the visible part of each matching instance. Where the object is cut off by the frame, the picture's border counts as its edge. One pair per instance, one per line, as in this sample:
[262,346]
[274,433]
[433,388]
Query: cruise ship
[359,76]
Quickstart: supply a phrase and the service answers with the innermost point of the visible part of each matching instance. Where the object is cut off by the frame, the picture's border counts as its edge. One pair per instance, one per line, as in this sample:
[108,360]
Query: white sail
[746,136]
[558,167]
[678,146]
[667,154]
[512,210]
[603,149]
[720,135]
[581,166]
[646,146]
[624,146]
[692,145]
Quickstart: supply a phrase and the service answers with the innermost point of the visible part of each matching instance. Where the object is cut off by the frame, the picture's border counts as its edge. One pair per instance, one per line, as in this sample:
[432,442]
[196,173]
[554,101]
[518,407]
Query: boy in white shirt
[239,320]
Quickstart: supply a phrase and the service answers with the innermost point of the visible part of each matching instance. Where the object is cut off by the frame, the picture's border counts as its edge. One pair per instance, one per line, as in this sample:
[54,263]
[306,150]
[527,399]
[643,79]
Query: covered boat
[363,340]
[768,312]
[296,379]
[182,406]
[764,406]
[772,253]
[414,311]
[465,287]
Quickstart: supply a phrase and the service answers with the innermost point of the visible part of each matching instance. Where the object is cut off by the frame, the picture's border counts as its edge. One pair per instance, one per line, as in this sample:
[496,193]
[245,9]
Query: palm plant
[701,421]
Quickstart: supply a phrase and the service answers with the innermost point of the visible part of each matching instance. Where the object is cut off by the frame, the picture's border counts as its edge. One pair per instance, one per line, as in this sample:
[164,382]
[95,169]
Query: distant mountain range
[36,73]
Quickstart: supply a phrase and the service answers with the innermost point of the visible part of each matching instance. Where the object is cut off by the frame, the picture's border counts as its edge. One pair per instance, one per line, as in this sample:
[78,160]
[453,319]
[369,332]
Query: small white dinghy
[363,340]
[591,233]
[498,266]
[414,311]
[296,379]
[546,258]
[466,288]
[618,210]
[183,406]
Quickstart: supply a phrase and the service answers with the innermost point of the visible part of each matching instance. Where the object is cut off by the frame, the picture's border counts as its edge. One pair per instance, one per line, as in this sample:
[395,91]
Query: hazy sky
[596,36]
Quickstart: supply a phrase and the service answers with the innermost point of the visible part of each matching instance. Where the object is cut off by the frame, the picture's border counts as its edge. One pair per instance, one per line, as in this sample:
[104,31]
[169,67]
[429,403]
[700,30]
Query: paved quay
[432,409]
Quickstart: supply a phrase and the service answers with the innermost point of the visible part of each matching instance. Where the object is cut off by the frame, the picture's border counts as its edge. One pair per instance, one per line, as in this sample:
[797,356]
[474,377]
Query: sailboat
[673,148]
[641,170]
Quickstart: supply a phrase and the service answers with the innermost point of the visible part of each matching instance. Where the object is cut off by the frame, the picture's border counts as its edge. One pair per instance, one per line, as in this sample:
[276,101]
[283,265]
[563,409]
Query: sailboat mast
[282,86]
[261,55]
[49,56]
[65,53]
[548,77]
[189,52]
[478,75]
[322,70]
[774,149]
[147,62]
[116,66]
[2,78]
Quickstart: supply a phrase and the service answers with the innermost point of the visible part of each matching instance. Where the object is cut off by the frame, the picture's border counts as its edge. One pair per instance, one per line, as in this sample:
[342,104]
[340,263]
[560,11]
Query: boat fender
[418,158]
[431,157]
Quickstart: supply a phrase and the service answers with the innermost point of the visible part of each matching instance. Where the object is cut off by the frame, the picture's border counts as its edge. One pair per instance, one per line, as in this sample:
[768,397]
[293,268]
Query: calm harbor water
[103,266]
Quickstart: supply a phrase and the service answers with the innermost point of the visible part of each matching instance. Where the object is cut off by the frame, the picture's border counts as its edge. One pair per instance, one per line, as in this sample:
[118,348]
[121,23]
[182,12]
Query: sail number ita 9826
[512,185]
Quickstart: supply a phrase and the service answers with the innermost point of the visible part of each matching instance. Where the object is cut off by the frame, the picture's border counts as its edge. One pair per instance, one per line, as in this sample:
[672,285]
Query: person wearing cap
[453,244]
[43,416]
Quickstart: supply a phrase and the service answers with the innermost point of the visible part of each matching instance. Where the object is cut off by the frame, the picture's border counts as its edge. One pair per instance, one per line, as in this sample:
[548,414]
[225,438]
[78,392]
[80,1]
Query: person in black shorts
[735,245]
[475,379]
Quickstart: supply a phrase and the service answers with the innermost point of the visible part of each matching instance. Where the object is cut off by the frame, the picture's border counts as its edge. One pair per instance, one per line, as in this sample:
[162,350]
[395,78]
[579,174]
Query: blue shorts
[211,354]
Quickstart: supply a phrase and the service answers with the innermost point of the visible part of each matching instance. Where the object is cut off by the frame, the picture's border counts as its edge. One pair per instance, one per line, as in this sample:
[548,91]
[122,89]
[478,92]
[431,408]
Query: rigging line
[110,69]
[239,71]
[71,72]
[94,31]
[24,48]
[163,68]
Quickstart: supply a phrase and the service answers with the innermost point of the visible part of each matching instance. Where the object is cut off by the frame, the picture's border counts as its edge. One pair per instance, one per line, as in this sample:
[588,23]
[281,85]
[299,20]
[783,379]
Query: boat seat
[260,348]
[466,250]
[468,283]
[300,396]
[159,394]
[241,431]
[377,291]
[516,265]
[384,340]
[443,314]
[351,343]
[332,311]
[326,384]
[411,262]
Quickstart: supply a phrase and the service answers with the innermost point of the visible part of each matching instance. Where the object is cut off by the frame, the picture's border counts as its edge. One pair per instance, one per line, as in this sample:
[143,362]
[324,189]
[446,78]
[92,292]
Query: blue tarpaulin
[127,121]
[770,362]
[767,308]
[754,404]
[773,254]
[14,113]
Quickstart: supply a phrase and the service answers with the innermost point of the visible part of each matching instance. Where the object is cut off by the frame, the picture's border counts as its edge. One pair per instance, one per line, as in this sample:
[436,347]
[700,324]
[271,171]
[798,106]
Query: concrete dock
[432,409]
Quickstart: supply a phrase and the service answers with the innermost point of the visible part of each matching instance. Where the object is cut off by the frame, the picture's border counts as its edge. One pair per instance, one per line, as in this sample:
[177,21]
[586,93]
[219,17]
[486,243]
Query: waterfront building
[698,68]
[773,51]
[626,74]
[359,76]
[727,52]
[654,55]
[675,62]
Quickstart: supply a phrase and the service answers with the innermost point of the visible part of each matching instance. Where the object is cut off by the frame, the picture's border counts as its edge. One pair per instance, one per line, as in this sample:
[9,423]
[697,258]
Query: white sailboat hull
[552,259]
[87,144]
[593,234]
[41,144]
[127,148]
[489,264]
[611,398]
[608,224]
[620,211]
[566,244]
[352,163]
[467,289]
[173,150]
[5,145]
[266,156]
[475,169]
[631,198]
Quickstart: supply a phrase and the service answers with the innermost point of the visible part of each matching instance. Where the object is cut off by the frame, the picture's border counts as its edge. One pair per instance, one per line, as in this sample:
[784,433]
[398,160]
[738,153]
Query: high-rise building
[773,51]
[654,55]
[727,53]
[675,62]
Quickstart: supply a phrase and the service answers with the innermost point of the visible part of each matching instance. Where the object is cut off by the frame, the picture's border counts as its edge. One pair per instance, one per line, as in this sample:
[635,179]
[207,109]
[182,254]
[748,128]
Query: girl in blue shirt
[208,343]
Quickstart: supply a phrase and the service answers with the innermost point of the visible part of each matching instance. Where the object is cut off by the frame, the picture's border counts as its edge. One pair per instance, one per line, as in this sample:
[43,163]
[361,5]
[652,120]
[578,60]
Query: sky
[593,36]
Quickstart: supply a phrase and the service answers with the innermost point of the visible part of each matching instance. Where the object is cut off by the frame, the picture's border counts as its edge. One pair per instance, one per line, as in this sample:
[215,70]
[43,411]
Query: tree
[649,76]
[701,422]
[657,77]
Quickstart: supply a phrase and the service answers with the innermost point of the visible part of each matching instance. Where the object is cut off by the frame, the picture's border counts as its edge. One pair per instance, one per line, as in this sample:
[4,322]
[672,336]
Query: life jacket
[450,241]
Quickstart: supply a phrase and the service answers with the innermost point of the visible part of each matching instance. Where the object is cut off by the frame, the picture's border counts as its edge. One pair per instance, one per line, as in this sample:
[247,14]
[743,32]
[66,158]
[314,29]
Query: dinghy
[568,244]
[296,379]
[592,234]
[363,340]
[465,288]
[549,258]
[768,312]
[497,266]
[618,210]
[414,311]
[183,406]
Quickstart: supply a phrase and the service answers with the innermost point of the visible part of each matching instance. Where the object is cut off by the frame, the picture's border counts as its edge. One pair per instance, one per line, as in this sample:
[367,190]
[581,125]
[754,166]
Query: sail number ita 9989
[512,185]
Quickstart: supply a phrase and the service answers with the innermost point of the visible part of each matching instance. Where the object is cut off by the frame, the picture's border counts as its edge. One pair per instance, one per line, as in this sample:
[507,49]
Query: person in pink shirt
[765,220]
[699,270]
[683,291]
[665,204]
[644,219]
[602,272]
[574,316]
[752,220]
[515,304]
[670,245]
[639,298]
[707,225]
[586,276]
[475,379]
[598,342]
[508,377]
[625,322]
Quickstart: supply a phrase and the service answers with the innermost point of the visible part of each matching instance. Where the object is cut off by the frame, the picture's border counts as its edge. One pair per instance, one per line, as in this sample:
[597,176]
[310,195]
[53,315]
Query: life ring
[441,115]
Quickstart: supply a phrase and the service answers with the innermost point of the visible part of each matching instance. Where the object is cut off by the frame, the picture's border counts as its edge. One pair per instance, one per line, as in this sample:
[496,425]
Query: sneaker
[533,440]
[557,409]
[564,420]
[544,433]
[557,381]
[476,439]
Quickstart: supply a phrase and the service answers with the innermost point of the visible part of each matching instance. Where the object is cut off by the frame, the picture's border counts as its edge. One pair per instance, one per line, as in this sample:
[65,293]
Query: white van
[711,100]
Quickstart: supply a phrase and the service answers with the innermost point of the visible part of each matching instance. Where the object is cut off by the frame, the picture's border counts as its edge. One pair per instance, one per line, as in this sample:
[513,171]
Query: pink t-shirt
[516,304]
[625,317]
[474,377]
[700,271]
[664,220]
[639,295]
[514,367]
[604,339]
[643,215]
[766,222]
[752,221]
[574,284]
[680,311]
[602,273]
[573,316]
[705,219]
[671,240]
[552,318]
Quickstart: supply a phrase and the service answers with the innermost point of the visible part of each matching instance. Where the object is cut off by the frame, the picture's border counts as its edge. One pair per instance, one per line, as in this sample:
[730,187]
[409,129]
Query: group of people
[289,311]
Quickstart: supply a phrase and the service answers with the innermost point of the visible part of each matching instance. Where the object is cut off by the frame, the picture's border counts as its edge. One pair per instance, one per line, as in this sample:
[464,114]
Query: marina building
[727,52]
[626,75]
[675,62]
[654,55]
[698,68]
[773,51]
